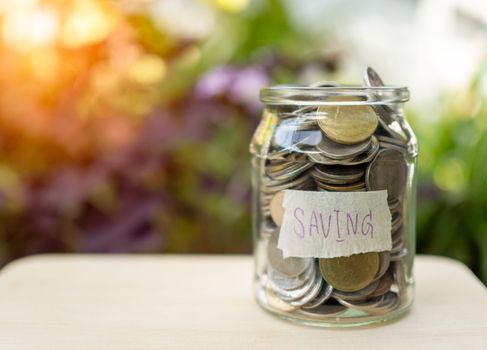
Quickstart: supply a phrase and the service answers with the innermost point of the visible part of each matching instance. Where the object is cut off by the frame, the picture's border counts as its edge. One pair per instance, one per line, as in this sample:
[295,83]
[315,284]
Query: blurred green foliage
[452,200]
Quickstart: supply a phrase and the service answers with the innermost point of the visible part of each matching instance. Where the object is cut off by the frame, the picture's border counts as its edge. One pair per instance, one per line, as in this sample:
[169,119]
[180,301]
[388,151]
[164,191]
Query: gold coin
[277,210]
[350,273]
[347,124]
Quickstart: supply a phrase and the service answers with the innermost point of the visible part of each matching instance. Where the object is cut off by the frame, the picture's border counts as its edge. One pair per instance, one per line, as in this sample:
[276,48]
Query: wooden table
[205,302]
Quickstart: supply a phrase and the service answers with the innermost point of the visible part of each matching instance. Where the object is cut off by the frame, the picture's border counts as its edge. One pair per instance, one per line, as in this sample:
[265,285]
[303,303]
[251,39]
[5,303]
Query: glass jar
[334,201]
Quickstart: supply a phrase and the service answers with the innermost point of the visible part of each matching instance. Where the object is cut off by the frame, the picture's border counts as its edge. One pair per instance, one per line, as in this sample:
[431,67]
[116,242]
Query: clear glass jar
[333,140]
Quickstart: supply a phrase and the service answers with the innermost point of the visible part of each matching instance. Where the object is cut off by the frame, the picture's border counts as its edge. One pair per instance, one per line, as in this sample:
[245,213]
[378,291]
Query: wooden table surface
[205,302]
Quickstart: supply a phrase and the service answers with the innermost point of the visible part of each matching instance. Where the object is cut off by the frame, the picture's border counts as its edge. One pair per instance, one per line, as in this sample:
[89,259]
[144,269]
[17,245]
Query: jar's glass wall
[293,149]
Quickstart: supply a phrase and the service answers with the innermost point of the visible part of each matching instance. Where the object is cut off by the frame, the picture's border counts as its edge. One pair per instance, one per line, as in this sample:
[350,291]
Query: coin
[348,174]
[400,279]
[278,154]
[375,305]
[336,150]
[347,124]
[272,186]
[350,273]
[372,78]
[299,293]
[384,261]
[273,300]
[392,141]
[343,188]
[323,310]
[396,221]
[394,205]
[324,295]
[267,227]
[291,132]
[389,301]
[362,158]
[388,171]
[360,294]
[276,166]
[400,253]
[312,293]
[287,266]
[385,113]
[277,210]
[397,235]
[290,172]
[282,284]
[384,286]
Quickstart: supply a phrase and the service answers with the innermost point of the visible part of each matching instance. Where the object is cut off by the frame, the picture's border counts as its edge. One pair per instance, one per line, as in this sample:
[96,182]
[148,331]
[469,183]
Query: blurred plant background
[124,125]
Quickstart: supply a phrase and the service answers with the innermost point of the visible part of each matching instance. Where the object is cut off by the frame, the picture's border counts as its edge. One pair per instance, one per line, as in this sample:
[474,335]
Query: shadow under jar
[333,141]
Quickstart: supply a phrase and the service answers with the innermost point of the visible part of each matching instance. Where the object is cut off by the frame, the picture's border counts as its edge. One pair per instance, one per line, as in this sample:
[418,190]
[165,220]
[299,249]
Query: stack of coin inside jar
[346,147]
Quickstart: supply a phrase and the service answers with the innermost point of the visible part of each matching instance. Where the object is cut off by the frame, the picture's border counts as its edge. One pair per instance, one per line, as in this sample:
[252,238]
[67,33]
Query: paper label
[333,224]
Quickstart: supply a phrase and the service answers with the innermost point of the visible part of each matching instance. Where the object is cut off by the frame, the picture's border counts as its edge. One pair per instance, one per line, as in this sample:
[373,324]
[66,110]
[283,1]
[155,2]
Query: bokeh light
[29,28]
[124,125]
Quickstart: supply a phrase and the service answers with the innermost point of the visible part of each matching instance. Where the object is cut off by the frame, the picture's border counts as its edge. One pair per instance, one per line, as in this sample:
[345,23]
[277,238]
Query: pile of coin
[335,148]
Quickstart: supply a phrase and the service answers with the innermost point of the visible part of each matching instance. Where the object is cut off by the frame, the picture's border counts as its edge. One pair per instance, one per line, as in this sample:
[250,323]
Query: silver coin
[384,286]
[384,261]
[385,113]
[400,283]
[281,283]
[391,146]
[349,174]
[357,295]
[342,188]
[389,302]
[272,186]
[397,235]
[391,141]
[291,172]
[297,294]
[313,292]
[290,267]
[285,175]
[303,110]
[323,310]
[321,178]
[267,227]
[339,151]
[366,156]
[362,158]
[274,167]
[398,251]
[355,190]
[388,171]
[375,305]
[278,154]
[396,221]
[272,299]
[290,132]
[323,296]
[399,255]
[395,205]
[372,78]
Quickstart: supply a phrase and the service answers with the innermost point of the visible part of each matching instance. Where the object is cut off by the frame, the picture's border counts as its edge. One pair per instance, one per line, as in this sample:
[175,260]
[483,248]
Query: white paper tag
[333,224]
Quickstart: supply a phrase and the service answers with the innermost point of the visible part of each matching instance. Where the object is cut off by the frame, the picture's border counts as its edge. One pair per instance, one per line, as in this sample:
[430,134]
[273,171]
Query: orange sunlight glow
[87,23]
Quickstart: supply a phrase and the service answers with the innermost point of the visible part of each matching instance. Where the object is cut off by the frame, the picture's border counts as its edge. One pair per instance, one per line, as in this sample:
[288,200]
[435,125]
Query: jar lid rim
[326,95]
